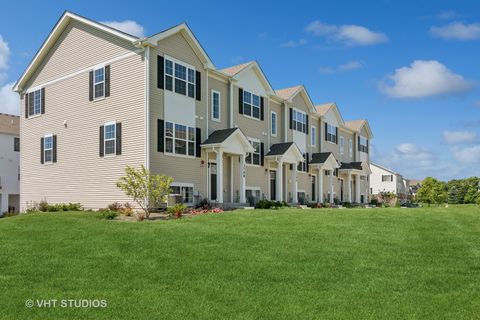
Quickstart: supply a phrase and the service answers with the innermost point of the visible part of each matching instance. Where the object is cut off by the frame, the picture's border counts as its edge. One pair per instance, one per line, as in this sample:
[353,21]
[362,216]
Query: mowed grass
[278,264]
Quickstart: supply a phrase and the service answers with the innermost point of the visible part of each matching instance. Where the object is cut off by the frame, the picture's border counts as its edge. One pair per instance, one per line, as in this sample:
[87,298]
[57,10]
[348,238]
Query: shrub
[204,204]
[264,204]
[115,206]
[108,214]
[347,204]
[177,210]
[478,200]
[127,209]
[374,202]
[43,206]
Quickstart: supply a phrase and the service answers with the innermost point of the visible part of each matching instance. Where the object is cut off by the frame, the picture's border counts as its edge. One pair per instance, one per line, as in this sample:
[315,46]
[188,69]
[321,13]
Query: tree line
[457,191]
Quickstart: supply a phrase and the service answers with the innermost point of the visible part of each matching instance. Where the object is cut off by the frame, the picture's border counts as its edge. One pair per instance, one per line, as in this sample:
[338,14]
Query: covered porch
[323,163]
[354,173]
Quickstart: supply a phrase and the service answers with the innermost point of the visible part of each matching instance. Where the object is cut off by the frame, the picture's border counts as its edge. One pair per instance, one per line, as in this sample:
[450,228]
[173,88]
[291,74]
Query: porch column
[294,184]
[357,187]
[279,190]
[320,185]
[331,185]
[220,176]
[349,182]
[242,178]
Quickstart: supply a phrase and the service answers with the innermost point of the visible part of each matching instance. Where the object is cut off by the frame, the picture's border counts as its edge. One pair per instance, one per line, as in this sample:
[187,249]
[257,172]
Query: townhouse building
[9,163]
[96,100]
[383,179]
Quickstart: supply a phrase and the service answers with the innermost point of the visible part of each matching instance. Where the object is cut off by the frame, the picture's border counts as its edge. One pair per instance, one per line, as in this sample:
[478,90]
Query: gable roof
[219,136]
[320,157]
[236,71]
[385,168]
[9,124]
[53,36]
[357,125]
[290,93]
[233,70]
[185,30]
[351,165]
[278,149]
[323,109]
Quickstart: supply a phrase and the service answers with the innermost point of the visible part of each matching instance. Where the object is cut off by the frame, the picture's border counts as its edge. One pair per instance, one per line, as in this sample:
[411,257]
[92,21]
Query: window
[331,133]
[48,148]
[341,145]
[350,147]
[387,177]
[16,144]
[363,178]
[99,82]
[302,166]
[179,78]
[110,139]
[251,105]
[35,103]
[299,121]
[363,144]
[179,139]
[274,124]
[254,157]
[183,192]
[252,195]
[314,136]
[215,105]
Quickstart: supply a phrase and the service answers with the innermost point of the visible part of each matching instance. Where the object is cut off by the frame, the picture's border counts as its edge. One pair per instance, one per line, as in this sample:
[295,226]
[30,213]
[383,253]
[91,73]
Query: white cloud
[448,15]
[348,34]
[454,137]
[4,54]
[9,100]
[468,155]
[411,153]
[127,26]
[293,44]
[349,66]
[424,79]
[457,31]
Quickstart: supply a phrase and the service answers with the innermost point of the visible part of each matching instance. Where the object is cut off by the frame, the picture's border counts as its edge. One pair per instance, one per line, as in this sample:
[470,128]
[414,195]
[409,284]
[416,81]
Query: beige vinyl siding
[80,174]
[79,46]
[279,109]
[346,154]
[182,169]
[252,128]
[221,87]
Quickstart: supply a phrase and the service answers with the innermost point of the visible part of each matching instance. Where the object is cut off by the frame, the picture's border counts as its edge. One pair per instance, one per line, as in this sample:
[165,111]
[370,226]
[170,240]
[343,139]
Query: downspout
[285,123]
[231,103]
[147,107]
[207,104]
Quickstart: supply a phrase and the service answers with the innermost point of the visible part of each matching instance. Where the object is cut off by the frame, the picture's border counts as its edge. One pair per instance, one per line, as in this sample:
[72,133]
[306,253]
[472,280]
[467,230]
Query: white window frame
[31,102]
[342,147]
[182,193]
[252,106]
[45,149]
[95,83]
[174,138]
[363,144]
[299,124]
[215,92]
[273,132]
[250,154]
[350,147]
[313,132]
[174,76]
[331,133]
[254,189]
[105,125]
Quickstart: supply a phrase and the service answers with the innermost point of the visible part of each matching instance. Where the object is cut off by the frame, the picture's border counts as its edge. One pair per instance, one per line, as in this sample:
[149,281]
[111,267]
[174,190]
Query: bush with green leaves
[108,214]
[177,210]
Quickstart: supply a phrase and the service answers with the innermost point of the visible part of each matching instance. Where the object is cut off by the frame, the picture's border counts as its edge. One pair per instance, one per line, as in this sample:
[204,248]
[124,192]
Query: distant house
[9,163]
[414,187]
[383,179]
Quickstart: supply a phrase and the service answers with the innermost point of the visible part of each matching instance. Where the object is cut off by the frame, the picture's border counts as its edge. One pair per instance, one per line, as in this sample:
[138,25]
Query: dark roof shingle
[320,157]
[279,149]
[218,136]
[351,165]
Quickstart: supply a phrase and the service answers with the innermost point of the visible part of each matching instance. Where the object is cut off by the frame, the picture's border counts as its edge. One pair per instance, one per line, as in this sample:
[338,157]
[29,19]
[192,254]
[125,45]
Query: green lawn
[284,264]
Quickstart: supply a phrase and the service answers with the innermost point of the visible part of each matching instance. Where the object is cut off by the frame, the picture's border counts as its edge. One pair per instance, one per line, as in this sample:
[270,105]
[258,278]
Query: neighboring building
[96,100]
[384,179]
[9,163]
[414,186]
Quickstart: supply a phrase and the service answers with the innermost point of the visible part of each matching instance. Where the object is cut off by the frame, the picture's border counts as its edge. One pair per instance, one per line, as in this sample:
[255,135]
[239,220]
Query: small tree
[148,190]
[432,191]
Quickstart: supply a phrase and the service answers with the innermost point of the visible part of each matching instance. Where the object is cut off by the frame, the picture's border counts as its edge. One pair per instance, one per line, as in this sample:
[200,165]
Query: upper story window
[99,83]
[35,103]
[179,78]
[179,139]
[362,144]
[350,147]
[251,104]
[314,136]
[274,124]
[48,148]
[215,105]
[16,144]
[299,121]
[254,157]
[387,177]
[331,133]
[341,145]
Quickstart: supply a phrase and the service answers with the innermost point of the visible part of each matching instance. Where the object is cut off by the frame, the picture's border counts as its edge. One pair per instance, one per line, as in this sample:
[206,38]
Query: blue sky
[409,67]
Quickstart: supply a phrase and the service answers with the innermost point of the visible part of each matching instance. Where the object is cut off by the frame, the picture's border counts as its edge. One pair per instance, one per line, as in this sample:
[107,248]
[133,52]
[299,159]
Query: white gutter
[147,107]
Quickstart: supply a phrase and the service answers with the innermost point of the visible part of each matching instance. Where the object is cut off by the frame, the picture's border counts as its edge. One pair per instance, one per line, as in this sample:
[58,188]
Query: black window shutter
[54,142]
[358,143]
[291,166]
[306,129]
[26,104]
[41,151]
[240,100]
[262,154]
[308,162]
[326,131]
[118,130]
[160,72]
[198,142]
[101,141]
[262,108]
[291,118]
[107,81]
[43,100]
[336,135]
[367,146]
[90,86]
[198,85]
[160,135]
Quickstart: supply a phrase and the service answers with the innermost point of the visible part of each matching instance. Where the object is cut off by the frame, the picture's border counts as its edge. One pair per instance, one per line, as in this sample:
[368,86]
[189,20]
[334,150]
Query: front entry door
[213,181]
[273,185]
[314,189]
